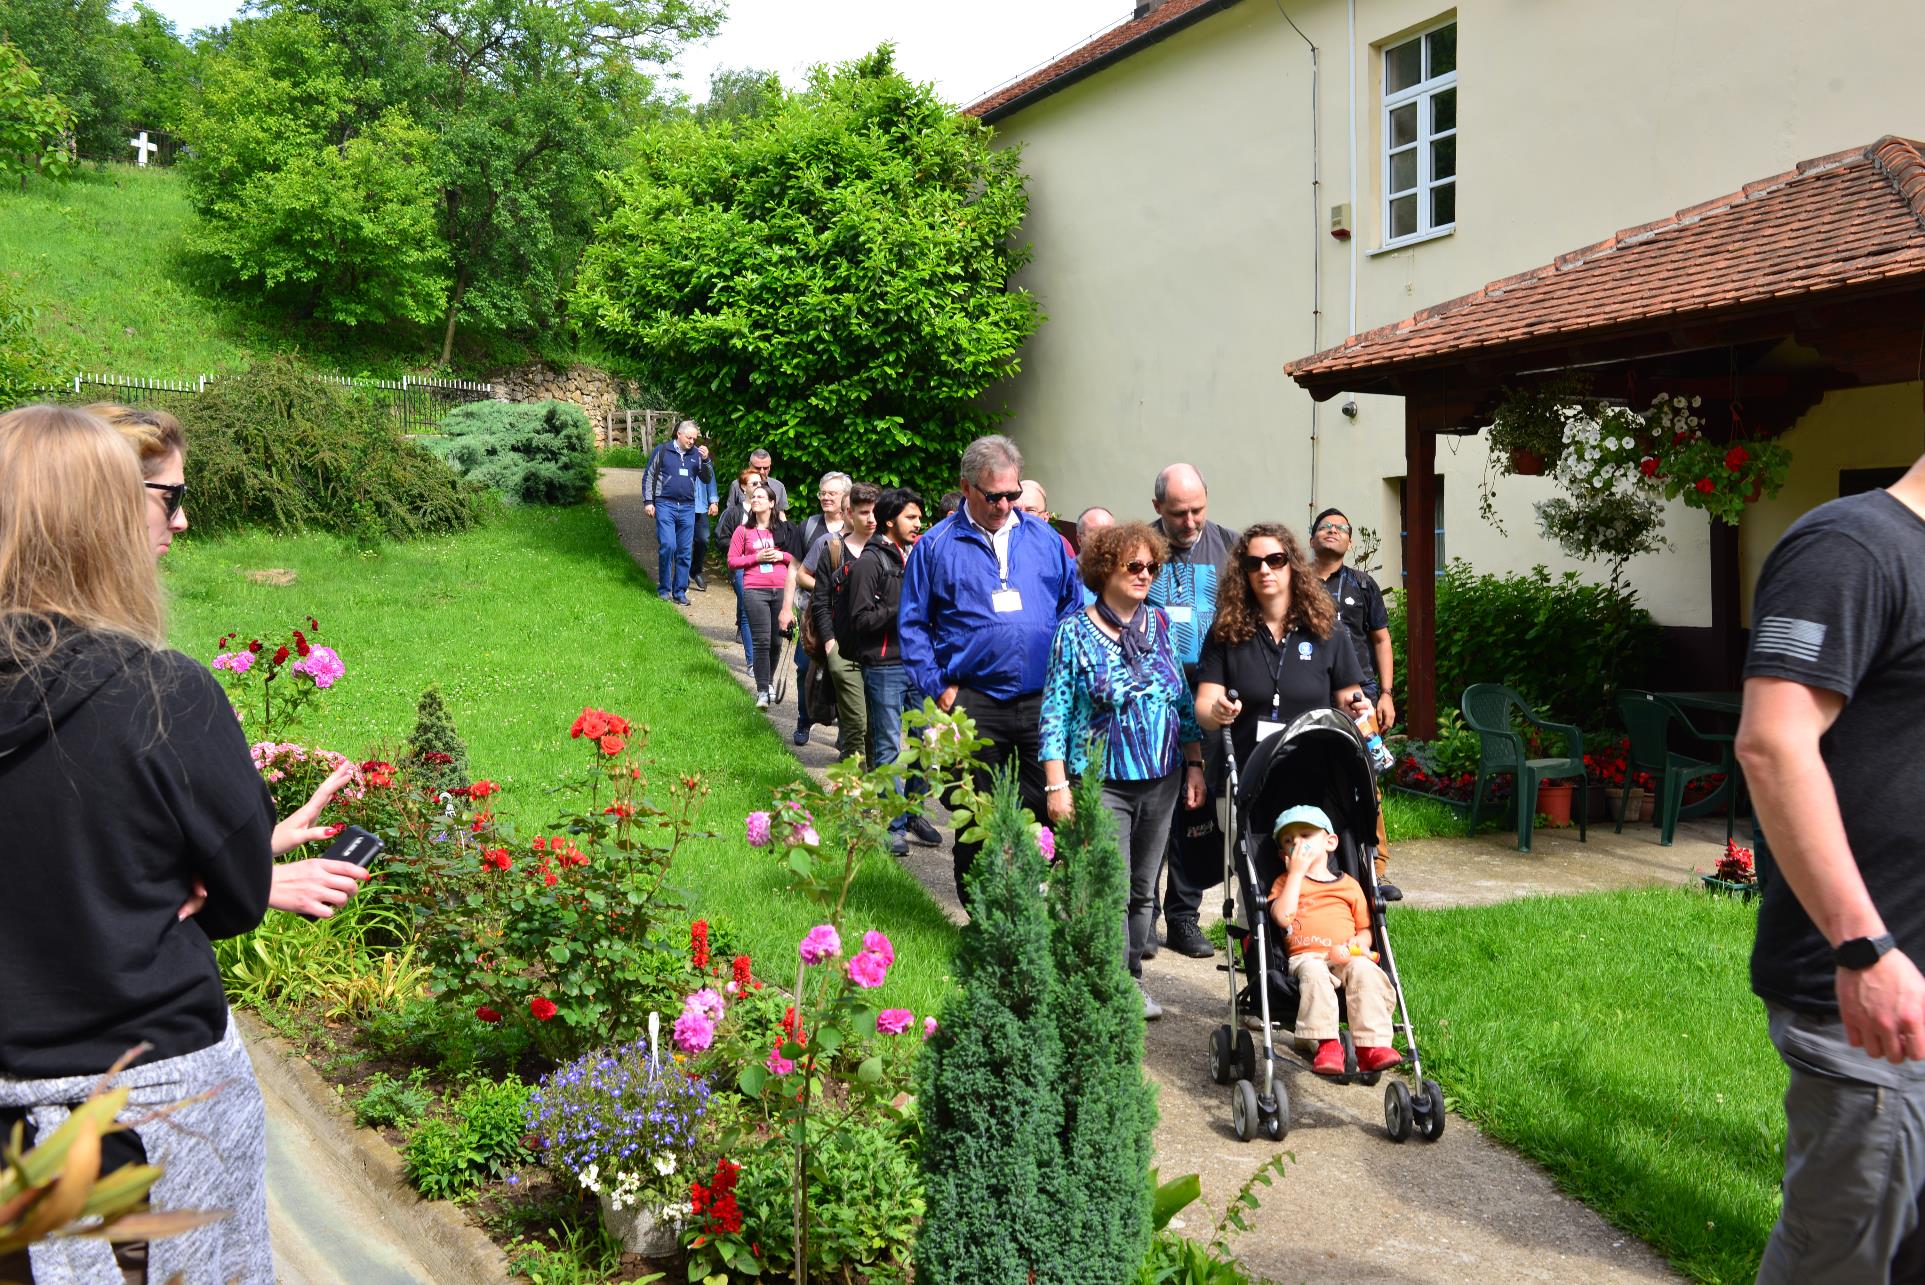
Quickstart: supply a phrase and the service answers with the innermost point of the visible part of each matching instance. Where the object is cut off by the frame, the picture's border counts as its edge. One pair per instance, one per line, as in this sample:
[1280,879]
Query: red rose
[1706,486]
[543,1009]
[487,1014]
[312,623]
[1736,458]
[496,859]
[279,656]
[593,724]
[613,745]
[617,724]
[540,844]
[1648,466]
[254,646]
[482,789]
[548,879]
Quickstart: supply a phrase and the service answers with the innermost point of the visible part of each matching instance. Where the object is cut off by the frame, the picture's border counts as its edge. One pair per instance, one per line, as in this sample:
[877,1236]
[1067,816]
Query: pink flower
[928,1027]
[707,1002]
[777,1064]
[894,1021]
[694,1032]
[1046,840]
[875,941]
[322,665]
[237,661]
[804,836]
[757,827]
[823,942]
[868,969]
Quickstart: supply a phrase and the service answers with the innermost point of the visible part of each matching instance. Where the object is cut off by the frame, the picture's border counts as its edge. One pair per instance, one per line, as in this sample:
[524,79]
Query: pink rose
[823,942]
[757,827]
[875,941]
[868,969]
[694,1032]
[894,1021]
[777,1064]
[928,1027]
[707,1002]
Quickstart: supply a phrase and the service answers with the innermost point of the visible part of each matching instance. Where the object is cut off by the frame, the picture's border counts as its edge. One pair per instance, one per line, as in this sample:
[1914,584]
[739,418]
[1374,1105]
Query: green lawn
[522,623]
[1614,1038]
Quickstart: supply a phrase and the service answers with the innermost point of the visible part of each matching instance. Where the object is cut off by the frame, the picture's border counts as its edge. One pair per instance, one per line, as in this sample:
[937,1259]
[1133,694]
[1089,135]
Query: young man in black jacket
[831,564]
[868,608]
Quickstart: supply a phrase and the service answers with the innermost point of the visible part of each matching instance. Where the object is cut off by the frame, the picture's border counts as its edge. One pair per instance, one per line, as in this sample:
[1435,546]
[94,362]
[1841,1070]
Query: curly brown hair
[1111,547]
[1237,618]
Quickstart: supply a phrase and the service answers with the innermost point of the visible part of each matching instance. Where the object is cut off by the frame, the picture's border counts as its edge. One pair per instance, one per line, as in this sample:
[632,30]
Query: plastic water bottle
[1380,756]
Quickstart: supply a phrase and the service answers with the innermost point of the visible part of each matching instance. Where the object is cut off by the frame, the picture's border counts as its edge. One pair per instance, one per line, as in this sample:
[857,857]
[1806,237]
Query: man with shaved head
[1186,591]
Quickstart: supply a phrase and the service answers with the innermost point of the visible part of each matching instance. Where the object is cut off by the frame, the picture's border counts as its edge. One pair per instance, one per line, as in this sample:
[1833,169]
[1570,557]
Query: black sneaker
[801,736]
[924,833]
[1185,938]
[698,584]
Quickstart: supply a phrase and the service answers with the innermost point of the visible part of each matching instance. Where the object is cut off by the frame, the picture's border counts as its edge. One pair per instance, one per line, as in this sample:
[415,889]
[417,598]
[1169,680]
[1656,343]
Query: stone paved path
[1354,1207]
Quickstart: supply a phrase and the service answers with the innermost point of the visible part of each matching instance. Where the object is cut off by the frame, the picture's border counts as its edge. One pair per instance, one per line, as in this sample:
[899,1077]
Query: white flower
[665,1163]
[1696,402]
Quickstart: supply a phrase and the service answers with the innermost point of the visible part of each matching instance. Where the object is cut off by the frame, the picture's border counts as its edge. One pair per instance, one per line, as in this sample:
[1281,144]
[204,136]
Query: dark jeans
[742,620]
[762,607]
[674,543]
[887,694]
[802,719]
[699,550]
[1014,730]
[1142,810]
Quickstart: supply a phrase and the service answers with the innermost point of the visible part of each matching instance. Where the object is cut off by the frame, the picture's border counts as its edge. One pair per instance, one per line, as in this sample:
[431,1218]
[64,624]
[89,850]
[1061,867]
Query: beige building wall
[1179,246]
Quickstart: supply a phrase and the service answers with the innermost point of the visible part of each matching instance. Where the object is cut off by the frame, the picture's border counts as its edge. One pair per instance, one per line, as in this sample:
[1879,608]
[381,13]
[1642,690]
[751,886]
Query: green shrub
[439,1161]
[539,453]
[435,757]
[865,1199]
[481,1139]
[387,1102]
[1564,645]
[277,447]
[623,457]
[26,365]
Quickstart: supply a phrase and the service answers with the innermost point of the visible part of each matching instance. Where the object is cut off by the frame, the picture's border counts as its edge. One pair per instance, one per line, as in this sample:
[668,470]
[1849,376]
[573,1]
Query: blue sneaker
[683,601]
[801,736]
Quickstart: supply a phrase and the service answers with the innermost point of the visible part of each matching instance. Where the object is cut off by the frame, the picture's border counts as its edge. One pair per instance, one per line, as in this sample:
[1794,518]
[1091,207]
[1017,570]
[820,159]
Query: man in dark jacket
[831,564]
[668,495]
[868,607]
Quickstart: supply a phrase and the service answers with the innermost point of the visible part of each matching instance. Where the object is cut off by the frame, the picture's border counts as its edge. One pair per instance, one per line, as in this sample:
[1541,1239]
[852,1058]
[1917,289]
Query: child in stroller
[1326,924]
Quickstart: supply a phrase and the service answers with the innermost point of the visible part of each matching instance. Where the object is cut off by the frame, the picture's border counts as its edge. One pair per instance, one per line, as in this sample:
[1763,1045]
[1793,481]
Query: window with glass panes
[1420,134]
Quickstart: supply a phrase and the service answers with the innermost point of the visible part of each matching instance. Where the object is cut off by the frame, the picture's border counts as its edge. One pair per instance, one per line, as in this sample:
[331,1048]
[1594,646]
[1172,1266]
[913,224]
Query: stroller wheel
[1430,1111]
[1221,1070]
[1244,1116]
[1397,1111]
[1276,1122]
[1246,1055]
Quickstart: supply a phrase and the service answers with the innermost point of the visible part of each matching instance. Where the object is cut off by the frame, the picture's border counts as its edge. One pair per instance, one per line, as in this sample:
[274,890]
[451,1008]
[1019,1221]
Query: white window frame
[1422,94]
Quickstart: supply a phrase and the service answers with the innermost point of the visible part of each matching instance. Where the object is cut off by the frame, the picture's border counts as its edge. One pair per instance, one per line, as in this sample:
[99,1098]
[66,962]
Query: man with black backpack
[830,564]
[870,602]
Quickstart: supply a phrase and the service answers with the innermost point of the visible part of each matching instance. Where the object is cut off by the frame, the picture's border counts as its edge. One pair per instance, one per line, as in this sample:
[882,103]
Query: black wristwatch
[1861,952]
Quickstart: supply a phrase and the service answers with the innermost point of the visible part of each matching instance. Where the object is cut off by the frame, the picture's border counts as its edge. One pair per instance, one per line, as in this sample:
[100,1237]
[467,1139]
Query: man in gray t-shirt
[1832,742]
[761,461]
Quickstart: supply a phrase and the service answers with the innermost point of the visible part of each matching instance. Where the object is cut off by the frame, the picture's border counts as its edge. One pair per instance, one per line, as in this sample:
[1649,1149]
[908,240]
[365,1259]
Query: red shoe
[1329,1059]
[1378,1058]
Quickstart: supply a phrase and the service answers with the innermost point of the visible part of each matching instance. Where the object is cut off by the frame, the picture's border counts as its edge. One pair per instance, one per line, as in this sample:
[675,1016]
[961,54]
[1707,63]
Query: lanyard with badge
[1268,725]
[1181,606]
[1006,598]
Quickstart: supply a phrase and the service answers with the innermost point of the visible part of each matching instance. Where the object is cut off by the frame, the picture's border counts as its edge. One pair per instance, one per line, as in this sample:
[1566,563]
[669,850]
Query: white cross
[142,146]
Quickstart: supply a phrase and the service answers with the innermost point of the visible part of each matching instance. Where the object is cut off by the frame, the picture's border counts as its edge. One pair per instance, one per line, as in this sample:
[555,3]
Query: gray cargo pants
[1854,1162]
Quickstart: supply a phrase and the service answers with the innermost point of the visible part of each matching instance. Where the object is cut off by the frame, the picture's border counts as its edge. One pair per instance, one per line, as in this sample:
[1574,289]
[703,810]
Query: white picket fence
[418,404]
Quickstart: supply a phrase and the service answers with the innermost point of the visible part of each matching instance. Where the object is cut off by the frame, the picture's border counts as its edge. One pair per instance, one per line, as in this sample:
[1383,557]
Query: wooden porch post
[1420,563]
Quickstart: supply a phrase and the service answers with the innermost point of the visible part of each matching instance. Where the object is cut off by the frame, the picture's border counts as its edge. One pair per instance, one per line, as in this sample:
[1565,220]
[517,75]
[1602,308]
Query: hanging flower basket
[1526,462]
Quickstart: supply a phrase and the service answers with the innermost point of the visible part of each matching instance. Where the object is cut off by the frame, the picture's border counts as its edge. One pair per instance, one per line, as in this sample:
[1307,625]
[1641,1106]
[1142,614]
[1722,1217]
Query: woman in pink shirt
[760,550]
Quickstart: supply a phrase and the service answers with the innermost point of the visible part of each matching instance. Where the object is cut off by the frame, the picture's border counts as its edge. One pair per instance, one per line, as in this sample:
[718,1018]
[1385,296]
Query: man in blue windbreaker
[668,495]
[981,600]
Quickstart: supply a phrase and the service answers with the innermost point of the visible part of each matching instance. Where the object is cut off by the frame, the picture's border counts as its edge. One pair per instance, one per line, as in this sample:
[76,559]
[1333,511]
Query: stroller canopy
[1320,760]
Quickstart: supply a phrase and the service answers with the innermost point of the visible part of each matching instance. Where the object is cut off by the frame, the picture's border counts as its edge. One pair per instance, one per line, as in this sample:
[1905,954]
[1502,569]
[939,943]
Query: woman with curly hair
[1275,643]
[1114,674]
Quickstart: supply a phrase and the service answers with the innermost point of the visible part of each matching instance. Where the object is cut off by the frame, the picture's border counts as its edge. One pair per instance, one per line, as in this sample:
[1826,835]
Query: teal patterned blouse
[1145,714]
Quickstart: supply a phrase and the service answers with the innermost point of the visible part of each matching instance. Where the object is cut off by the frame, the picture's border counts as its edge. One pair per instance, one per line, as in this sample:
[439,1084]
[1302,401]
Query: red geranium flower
[1648,466]
[487,1014]
[1706,486]
[542,1008]
[496,859]
[482,789]
[1736,458]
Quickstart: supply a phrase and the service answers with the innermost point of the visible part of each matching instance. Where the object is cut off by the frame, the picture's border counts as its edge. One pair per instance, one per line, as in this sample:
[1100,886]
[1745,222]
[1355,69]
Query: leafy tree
[827,279]
[76,49]
[165,72]
[739,93]
[1101,1188]
[991,1095]
[305,197]
[32,121]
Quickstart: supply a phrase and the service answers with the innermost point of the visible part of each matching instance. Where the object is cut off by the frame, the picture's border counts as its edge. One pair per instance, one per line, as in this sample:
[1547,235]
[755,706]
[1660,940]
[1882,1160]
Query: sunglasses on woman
[171,493]
[1275,561]
[1139,567]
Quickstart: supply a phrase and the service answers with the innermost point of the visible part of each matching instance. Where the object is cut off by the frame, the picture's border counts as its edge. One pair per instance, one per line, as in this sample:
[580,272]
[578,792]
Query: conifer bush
[991,1078]
[435,755]
[533,453]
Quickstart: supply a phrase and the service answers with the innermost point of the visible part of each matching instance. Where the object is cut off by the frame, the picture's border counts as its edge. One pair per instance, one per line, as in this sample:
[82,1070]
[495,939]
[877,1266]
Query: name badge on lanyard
[1180,613]
[1267,728]
[1006,600]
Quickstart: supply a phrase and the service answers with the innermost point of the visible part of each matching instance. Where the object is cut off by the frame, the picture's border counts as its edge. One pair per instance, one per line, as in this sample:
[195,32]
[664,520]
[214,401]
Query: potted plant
[1719,477]
[1527,435]
[1735,875]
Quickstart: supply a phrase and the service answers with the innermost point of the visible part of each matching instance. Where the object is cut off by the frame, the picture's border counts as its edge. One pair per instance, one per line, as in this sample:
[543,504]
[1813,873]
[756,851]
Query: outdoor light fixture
[1350,410]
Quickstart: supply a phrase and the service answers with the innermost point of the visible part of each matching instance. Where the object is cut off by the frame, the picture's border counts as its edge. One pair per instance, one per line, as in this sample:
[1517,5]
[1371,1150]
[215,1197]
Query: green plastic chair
[1648,716]
[1488,708]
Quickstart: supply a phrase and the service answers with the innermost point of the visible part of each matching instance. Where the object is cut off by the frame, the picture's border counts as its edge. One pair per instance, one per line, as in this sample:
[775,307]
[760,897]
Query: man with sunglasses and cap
[1186,591]
[981,600]
[1365,624]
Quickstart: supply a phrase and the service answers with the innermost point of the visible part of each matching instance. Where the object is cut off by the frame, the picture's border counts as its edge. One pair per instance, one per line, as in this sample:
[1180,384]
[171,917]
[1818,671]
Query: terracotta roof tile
[1851,217]
[1115,41]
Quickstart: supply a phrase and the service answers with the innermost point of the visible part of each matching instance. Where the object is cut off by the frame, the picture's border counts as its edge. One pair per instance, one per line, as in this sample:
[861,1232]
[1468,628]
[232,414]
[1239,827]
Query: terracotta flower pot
[1632,804]
[1526,462]
[1554,801]
[1648,807]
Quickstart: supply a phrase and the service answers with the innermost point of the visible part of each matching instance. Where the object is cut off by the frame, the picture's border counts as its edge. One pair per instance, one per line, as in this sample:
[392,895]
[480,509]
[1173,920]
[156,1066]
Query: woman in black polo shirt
[1275,643]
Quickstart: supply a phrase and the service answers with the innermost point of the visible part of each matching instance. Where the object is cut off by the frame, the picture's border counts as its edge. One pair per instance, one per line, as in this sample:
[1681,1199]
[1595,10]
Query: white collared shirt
[998,540]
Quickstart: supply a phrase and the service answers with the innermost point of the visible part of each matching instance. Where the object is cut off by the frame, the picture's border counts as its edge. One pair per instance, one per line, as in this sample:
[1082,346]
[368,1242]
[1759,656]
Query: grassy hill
[104,257]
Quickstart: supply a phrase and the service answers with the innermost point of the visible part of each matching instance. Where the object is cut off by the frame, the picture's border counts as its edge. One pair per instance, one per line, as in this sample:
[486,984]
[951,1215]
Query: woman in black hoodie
[125,782]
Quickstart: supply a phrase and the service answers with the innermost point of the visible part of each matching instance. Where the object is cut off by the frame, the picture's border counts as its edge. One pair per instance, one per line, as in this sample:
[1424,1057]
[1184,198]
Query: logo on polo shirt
[1303,651]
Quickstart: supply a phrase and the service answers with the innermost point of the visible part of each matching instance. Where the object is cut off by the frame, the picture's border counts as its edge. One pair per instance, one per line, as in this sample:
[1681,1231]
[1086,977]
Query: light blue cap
[1307,814]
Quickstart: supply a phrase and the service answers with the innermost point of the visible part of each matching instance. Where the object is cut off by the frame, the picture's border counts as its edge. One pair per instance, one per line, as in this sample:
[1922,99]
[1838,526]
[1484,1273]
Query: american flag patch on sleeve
[1784,636]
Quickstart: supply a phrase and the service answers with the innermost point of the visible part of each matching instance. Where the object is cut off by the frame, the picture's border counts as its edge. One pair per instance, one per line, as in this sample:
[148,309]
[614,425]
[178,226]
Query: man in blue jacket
[668,495]
[981,600]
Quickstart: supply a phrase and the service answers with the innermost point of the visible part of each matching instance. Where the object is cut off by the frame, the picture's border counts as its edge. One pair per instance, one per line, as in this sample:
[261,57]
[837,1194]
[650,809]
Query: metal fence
[417,405]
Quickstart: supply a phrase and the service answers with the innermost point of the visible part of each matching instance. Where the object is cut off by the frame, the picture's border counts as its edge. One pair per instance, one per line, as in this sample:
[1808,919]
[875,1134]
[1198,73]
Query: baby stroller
[1319,759]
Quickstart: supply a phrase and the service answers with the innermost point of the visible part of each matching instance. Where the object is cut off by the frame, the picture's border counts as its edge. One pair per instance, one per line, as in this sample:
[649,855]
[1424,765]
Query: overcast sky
[966,47]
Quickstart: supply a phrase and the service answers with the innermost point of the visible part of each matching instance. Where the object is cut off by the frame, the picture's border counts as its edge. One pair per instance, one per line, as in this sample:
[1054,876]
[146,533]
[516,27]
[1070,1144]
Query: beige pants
[1365,983]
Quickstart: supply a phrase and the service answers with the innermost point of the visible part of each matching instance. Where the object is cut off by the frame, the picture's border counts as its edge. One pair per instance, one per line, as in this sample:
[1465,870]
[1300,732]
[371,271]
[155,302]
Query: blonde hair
[75,554]
[154,434]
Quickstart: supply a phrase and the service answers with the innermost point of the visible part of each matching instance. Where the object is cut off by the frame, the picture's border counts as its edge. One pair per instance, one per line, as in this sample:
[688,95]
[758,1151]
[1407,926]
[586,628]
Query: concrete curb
[438,1235]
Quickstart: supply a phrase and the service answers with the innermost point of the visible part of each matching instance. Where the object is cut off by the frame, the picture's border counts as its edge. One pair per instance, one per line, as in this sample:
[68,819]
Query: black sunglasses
[1002,497]
[172,493]
[1275,561]
[1138,567]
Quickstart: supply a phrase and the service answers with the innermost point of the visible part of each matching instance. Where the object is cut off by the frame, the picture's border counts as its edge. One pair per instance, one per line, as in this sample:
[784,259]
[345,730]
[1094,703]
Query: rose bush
[251,670]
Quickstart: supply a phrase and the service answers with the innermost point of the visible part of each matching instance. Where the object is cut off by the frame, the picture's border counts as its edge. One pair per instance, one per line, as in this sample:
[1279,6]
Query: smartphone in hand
[354,845]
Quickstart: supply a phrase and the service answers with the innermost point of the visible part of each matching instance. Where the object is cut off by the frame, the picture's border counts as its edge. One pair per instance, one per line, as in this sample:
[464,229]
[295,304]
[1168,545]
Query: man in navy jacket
[981,600]
[669,490]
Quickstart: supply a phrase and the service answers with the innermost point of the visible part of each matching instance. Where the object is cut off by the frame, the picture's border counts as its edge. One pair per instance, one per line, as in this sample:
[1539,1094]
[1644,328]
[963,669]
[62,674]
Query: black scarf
[1133,633]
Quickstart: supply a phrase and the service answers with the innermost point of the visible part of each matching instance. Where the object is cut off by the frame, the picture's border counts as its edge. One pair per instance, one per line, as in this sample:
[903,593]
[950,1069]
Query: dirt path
[1355,1207]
